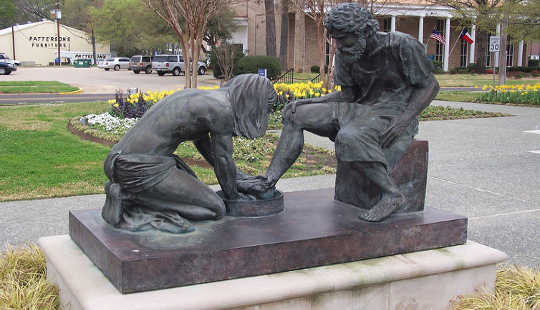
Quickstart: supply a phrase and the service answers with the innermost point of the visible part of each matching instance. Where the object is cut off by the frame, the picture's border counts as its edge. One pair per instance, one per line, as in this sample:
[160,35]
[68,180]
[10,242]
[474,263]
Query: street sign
[495,44]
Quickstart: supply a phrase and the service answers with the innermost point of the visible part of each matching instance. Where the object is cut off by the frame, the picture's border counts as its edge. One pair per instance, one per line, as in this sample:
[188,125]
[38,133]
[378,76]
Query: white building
[37,43]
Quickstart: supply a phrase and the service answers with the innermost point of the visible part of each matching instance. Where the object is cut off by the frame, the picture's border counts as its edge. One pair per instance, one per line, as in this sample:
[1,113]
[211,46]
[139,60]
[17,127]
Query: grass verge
[471,80]
[41,158]
[14,87]
[458,96]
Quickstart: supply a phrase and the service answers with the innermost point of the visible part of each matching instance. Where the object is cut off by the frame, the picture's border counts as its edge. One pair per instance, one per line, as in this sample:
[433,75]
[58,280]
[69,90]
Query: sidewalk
[485,169]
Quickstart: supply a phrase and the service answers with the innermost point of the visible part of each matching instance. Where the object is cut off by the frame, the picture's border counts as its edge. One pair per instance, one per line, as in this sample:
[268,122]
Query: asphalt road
[98,81]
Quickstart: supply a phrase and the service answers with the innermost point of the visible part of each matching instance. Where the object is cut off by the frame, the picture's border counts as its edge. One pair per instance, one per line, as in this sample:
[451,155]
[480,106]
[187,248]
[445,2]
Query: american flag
[437,36]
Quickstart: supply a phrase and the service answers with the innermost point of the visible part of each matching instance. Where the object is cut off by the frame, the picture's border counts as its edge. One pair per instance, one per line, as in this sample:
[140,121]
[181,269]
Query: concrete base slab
[419,280]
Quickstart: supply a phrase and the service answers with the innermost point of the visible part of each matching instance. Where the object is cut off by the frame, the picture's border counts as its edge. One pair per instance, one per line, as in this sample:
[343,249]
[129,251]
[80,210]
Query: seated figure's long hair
[252,97]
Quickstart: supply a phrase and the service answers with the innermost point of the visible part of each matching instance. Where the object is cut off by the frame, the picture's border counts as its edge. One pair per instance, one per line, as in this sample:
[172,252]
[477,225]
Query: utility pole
[502,54]
[13,41]
[58,15]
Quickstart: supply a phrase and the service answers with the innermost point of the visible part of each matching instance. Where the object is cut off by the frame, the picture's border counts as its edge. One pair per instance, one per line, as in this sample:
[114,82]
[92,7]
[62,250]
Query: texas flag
[464,35]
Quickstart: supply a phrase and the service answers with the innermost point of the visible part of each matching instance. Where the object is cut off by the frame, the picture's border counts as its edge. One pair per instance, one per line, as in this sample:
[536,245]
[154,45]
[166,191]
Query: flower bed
[289,92]
[516,94]
[133,106]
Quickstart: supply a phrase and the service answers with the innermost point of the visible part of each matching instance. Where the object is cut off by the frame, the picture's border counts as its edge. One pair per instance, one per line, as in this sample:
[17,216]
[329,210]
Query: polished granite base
[313,230]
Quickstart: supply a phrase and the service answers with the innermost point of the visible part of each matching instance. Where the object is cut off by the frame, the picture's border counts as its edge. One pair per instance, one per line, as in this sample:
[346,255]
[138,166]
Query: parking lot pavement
[98,81]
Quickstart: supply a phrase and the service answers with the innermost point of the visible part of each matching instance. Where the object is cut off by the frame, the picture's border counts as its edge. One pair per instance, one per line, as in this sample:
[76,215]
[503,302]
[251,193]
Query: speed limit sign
[495,44]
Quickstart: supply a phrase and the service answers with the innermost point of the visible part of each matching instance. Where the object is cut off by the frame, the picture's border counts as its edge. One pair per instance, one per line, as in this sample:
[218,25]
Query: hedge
[252,64]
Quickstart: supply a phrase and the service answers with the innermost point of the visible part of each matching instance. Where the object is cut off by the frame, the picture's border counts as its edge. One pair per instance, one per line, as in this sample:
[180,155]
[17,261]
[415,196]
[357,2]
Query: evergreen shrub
[252,64]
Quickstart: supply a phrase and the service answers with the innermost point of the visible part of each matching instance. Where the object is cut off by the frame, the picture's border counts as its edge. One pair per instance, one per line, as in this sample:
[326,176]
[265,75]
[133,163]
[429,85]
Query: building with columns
[417,18]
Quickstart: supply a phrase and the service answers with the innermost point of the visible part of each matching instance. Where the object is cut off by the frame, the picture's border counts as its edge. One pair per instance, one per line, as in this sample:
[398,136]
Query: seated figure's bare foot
[386,206]
[258,186]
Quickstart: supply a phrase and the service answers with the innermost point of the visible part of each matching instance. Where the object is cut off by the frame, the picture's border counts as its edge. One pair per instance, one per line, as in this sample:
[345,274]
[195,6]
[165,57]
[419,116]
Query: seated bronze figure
[386,81]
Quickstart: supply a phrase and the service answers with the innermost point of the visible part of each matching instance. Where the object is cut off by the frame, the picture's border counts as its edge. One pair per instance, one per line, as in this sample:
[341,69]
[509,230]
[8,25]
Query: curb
[78,91]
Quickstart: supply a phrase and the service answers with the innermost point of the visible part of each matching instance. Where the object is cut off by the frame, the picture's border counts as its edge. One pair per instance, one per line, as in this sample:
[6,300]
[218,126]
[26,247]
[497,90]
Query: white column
[496,60]
[421,29]
[473,45]
[393,24]
[520,54]
[446,45]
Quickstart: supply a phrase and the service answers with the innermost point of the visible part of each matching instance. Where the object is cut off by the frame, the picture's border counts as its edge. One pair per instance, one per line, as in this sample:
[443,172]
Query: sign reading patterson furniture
[37,43]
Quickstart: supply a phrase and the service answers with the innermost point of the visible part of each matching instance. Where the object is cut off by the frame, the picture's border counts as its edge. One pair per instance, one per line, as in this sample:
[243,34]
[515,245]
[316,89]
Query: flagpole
[456,42]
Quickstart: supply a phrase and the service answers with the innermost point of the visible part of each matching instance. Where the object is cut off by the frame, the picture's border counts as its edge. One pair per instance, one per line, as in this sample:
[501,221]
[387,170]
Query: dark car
[6,68]
[6,65]
[140,63]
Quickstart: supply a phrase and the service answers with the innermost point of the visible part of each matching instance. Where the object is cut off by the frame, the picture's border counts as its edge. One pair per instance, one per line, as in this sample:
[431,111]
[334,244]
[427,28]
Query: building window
[463,56]
[439,47]
[327,54]
[387,23]
[509,54]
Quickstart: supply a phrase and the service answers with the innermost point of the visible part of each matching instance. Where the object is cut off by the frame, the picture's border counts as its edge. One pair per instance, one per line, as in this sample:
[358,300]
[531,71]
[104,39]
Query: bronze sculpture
[151,188]
[386,81]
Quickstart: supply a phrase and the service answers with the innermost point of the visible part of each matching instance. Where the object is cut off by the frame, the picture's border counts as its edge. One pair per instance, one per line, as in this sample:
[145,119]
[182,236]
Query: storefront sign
[49,41]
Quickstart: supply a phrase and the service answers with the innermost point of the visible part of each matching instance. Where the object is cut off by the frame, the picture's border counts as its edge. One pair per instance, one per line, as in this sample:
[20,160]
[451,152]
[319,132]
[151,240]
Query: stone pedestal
[409,174]
[313,230]
[420,280]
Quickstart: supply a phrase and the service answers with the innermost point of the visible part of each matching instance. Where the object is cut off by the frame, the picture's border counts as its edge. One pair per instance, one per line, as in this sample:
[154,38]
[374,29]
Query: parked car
[173,64]
[5,58]
[168,64]
[6,68]
[7,65]
[115,63]
[140,63]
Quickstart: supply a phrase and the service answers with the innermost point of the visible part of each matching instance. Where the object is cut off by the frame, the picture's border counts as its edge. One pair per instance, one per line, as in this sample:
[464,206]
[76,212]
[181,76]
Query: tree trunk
[284,44]
[193,62]
[331,65]
[94,47]
[270,28]
[185,54]
[481,53]
[321,34]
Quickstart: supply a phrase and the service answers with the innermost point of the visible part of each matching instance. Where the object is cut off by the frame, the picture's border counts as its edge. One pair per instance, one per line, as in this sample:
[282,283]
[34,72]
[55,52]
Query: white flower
[110,123]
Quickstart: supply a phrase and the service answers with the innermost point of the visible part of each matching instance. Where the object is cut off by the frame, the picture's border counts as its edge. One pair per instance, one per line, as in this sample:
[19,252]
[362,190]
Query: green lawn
[459,96]
[472,80]
[41,158]
[13,87]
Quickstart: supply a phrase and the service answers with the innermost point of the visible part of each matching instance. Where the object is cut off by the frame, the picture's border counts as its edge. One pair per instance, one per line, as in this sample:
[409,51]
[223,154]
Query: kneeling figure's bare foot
[386,206]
